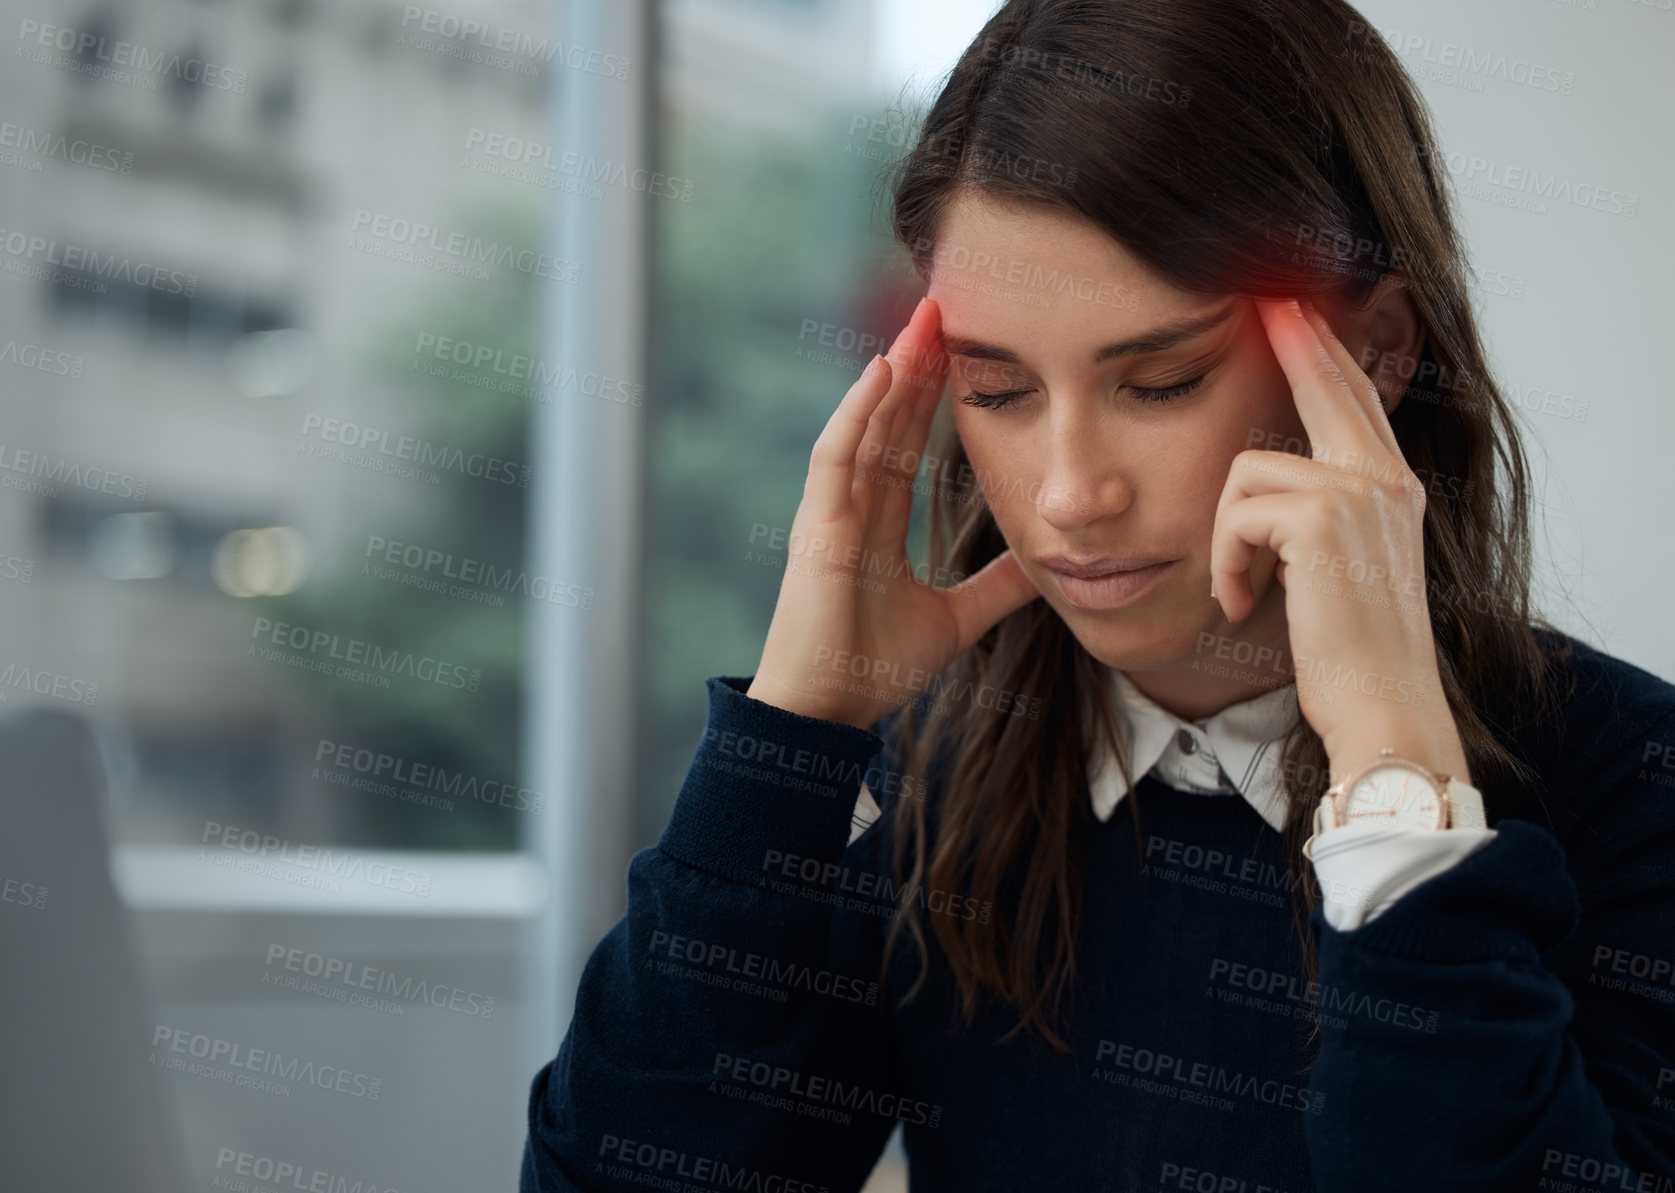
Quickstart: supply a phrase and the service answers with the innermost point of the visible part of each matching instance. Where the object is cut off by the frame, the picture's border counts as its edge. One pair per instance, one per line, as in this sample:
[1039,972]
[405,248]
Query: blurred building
[210,212]
[195,171]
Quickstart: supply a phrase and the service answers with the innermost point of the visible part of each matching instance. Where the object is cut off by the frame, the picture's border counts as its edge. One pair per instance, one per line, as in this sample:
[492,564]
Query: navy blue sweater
[1507,1025]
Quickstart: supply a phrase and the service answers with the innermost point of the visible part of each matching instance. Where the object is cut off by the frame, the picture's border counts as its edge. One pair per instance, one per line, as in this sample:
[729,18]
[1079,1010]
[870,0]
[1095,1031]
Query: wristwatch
[1393,792]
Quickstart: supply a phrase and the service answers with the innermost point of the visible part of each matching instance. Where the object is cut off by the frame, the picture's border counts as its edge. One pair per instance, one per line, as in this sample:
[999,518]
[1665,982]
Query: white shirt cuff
[1363,869]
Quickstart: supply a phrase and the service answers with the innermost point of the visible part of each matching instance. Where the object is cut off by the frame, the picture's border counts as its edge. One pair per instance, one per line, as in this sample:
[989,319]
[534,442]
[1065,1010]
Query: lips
[1109,582]
[1103,565]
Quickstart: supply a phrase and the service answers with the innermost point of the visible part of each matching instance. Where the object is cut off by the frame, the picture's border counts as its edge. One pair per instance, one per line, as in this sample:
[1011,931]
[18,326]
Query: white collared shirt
[1362,869]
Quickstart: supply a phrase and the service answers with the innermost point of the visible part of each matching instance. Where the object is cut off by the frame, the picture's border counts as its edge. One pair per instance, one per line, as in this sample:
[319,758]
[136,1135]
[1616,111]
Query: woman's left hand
[1347,527]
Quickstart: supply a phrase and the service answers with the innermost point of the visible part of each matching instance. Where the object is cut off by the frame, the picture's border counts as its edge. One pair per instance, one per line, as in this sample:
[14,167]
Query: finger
[831,463]
[917,353]
[1334,416]
[1360,384]
[976,603]
[909,434]
[905,354]
[1255,473]
[1261,474]
[1242,530]
[831,477]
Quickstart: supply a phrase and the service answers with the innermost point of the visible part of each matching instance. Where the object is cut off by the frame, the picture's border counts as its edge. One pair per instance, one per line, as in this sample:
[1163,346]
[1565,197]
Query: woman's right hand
[855,634]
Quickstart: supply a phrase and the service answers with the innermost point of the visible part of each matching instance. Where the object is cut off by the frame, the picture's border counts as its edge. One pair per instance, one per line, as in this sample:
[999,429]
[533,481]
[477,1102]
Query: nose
[1083,478]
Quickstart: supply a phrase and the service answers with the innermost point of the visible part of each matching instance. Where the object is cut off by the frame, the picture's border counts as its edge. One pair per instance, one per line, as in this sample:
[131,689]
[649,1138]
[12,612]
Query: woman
[1243,517]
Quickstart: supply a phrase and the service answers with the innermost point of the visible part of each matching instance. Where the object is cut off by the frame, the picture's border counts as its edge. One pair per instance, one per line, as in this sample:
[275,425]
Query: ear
[1385,335]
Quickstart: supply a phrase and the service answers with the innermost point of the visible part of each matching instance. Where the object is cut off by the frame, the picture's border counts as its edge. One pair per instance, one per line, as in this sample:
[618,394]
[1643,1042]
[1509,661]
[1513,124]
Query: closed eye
[1143,393]
[1168,392]
[994,401]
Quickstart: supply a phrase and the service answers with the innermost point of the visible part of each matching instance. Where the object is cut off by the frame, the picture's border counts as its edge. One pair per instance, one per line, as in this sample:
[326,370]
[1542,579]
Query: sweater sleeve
[729,1029]
[1509,1024]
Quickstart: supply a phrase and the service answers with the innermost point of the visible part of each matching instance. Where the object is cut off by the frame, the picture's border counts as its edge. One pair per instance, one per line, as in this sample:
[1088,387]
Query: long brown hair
[1260,147]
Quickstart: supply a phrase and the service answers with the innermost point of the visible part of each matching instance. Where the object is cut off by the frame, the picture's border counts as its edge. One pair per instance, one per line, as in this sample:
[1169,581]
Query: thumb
[999,587]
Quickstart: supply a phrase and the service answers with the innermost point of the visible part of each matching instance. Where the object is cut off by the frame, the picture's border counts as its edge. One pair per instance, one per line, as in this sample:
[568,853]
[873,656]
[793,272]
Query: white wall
[1596,305]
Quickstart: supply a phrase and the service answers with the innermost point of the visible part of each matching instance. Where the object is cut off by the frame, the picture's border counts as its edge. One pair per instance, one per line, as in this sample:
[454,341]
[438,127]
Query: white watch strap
[1467,804]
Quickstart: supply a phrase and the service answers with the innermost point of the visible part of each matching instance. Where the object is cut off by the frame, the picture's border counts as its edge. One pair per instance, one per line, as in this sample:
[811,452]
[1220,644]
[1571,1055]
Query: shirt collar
[1237,749]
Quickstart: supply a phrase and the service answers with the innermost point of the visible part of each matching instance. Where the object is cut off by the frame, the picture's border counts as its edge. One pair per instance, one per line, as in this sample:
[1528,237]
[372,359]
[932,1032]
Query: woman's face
[1129,400]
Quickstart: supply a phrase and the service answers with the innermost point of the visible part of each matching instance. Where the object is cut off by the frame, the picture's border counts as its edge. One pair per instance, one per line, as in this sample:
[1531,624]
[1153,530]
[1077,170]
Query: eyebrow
[1156,340]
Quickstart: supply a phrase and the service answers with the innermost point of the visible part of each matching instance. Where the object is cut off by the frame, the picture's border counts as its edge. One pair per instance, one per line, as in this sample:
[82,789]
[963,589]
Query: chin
[1136,639]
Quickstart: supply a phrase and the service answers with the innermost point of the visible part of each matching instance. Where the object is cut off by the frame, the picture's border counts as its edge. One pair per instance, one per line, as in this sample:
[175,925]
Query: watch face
[1393,797]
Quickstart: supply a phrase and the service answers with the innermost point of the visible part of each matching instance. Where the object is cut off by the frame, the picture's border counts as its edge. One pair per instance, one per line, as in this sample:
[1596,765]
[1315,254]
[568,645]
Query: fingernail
[1292,303]
[919,308]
